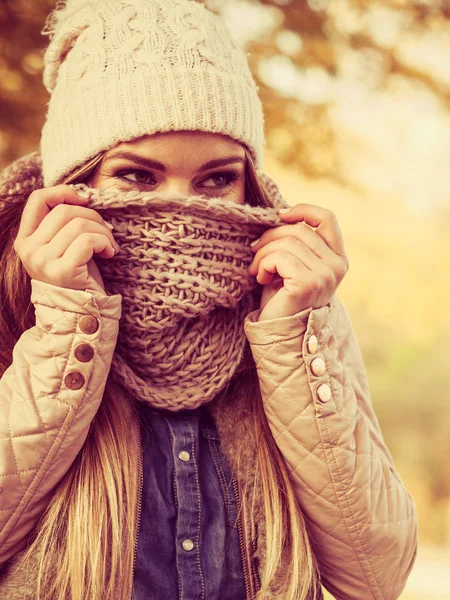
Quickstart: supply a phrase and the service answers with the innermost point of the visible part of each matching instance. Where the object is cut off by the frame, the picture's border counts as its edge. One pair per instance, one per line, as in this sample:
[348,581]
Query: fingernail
[108,225]
[255,242]
[284,210]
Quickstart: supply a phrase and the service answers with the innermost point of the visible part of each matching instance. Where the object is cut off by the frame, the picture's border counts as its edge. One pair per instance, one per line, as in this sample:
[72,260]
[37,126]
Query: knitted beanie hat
[120,69]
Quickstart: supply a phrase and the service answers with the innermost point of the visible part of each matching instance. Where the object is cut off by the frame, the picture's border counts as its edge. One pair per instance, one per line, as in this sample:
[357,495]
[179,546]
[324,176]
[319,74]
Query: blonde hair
[85,538]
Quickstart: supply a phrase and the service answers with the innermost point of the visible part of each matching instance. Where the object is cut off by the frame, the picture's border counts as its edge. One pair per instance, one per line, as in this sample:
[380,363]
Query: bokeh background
[357,104]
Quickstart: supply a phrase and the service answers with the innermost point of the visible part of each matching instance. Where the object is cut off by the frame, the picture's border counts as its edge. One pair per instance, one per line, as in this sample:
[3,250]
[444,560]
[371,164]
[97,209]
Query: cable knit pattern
[182,272]
[121,69]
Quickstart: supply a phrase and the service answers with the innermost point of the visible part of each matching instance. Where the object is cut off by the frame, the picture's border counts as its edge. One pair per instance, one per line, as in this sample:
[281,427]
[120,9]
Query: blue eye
[142,177]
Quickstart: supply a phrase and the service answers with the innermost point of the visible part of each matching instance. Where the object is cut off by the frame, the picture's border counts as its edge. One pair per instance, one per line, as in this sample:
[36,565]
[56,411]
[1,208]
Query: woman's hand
[58,236]
[299,266]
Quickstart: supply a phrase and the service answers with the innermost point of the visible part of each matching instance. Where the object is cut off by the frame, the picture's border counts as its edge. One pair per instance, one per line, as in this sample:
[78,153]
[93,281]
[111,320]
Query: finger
[58,245]
[64,220]
[41,202]
[290,245]
[288,266]
[302,232]
[323,219]
[83,248]
[60,216]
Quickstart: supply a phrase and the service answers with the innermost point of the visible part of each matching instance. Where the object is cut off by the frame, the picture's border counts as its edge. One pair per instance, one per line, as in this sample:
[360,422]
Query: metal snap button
[184,456]
[187,545]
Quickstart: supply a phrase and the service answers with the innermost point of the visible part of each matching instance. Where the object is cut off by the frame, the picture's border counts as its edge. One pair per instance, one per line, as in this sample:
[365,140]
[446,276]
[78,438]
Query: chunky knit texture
[120,69]
[182,271]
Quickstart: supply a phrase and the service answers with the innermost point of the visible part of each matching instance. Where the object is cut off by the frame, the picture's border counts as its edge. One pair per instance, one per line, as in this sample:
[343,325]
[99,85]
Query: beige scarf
[182,271]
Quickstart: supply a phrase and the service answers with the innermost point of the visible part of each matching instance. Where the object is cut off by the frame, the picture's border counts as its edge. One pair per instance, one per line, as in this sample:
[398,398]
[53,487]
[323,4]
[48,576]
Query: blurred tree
[296,60]
[315,43]
[23,97]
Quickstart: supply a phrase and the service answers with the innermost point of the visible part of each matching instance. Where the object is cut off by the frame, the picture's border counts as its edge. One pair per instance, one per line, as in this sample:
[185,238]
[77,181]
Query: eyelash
[229,176]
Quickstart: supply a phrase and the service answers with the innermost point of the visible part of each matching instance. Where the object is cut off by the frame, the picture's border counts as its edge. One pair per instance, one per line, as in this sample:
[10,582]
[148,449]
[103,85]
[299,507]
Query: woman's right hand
[58,237]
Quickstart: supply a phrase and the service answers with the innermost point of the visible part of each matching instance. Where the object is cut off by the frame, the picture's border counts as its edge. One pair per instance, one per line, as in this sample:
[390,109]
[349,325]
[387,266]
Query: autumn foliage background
[357,105]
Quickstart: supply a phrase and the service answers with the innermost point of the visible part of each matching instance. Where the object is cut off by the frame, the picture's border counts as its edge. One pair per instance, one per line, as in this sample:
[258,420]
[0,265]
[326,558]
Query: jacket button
[324,392]
[184,456]
[187,545]
[318,366]
[312,344]
[84,352]
[74,380]
[88,324]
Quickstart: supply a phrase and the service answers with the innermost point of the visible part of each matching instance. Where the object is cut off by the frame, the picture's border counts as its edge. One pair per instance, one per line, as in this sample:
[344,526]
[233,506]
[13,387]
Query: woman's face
[191,163]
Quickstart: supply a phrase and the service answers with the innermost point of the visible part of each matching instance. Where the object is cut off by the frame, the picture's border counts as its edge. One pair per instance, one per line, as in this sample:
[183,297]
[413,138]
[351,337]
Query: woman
[219,442]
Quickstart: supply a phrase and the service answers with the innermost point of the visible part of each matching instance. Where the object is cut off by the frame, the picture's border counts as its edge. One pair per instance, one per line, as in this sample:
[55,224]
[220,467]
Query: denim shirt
[188,543]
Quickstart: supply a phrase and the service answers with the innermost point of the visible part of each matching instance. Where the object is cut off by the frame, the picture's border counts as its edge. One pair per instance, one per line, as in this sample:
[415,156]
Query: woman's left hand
[299,266]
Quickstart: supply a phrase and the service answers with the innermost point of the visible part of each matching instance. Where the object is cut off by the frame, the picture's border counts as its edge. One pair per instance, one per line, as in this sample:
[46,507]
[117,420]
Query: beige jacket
[314,388]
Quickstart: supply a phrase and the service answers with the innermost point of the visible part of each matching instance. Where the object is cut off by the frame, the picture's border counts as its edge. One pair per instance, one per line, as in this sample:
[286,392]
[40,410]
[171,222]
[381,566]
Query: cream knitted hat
[120,69]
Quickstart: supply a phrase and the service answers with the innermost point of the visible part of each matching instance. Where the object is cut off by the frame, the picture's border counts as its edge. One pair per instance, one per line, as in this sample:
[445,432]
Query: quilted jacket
[361,518]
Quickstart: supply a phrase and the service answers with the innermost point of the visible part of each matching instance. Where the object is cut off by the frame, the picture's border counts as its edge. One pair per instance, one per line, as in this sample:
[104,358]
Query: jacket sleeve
[361,518]
[48,398]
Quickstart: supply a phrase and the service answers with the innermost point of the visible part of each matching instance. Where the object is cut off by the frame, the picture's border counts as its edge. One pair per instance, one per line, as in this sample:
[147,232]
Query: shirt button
[74,380]
[312,344]
[184,456]
[84,352]
[187,545]
[88,324]
[318,366]
[324,392]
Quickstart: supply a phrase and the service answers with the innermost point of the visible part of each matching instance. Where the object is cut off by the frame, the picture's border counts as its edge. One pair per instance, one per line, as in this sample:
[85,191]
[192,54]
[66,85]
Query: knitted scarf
[182,271]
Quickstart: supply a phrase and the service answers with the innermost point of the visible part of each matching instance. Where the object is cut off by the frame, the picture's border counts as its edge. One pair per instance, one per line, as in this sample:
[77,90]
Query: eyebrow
[154,164]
